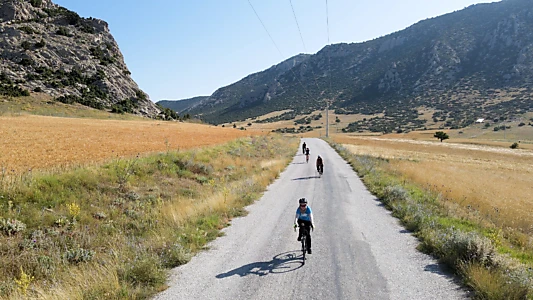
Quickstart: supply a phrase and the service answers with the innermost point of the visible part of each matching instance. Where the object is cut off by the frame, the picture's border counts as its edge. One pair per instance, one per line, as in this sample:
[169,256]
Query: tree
[441,135]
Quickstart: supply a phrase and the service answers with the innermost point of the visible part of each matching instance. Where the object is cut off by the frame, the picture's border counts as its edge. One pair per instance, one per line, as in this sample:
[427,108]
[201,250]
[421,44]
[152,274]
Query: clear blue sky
[179,49]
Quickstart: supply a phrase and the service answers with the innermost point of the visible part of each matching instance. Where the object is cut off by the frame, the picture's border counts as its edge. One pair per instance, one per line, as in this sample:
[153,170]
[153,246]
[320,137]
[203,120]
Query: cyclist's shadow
[281,263]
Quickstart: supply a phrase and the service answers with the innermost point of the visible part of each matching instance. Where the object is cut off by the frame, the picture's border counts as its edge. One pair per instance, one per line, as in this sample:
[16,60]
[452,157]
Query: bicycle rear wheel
[304,246]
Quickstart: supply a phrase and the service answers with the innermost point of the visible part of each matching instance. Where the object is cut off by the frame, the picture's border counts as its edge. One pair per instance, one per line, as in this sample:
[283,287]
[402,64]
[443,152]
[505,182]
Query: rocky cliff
[47,48]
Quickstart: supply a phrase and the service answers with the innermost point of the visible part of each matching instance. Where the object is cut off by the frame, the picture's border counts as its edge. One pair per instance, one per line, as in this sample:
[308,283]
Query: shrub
[514,145]
[40,44]
[99,54]
[11,227]
[87,29]
[36,3]
[80,255]
[72,17]
[63,31]
[173,256]
[26,61]
[27,29]
[124,106]
[26,45]
[454,246]
[13,91]
[144,272]
[140,95]
[394,193]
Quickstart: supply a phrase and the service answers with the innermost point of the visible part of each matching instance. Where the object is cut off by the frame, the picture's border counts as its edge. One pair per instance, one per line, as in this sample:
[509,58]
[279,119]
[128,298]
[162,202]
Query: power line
[298,25]
[327,19]
[283,57]
[301,37]
[329,71]
[265,28]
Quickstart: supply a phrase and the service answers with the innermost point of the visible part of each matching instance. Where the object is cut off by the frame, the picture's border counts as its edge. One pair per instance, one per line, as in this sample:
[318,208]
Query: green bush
[36,3]
[514,145]
[99,54]
[26,45]
[40,44]
[26,61]
[13,91]
[27,29]
[124,106]
[144,271]
[63,31]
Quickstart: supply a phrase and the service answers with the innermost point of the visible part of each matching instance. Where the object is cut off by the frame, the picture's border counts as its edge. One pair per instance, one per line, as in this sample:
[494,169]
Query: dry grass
[45,105]
[38,142]
[317,132]
[138,216]
[496,183]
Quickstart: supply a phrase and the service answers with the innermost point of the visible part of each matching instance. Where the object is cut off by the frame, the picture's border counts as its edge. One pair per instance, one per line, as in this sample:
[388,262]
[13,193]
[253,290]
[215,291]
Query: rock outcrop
[47,48]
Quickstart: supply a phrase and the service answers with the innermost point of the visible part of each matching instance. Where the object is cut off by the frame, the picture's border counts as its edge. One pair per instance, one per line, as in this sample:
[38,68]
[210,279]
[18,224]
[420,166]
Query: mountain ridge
[477,51]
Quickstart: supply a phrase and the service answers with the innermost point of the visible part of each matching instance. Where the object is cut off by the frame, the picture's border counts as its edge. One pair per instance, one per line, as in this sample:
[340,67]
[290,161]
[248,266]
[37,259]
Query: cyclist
[306,154]
[304,146]
[304,219]
[319,165]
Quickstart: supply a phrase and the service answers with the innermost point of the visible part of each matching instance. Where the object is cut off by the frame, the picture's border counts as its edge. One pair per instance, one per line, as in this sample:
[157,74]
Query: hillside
[181,105]
[48,49]
[473,63]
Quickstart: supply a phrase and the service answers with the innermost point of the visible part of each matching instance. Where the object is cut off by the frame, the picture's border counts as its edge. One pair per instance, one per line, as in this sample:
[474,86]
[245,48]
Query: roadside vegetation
[482,240]
[112,231]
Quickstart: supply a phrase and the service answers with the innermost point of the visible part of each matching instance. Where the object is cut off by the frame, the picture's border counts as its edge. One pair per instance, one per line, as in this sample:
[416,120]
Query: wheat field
[30,142]
[494,183]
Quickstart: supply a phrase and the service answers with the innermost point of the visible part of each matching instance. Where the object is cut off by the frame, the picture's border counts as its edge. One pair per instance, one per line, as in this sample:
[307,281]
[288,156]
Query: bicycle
[304,242]
[307,158]
[320,170]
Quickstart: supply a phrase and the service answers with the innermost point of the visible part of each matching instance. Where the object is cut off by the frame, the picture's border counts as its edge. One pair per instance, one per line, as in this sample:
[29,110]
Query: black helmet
[302,200]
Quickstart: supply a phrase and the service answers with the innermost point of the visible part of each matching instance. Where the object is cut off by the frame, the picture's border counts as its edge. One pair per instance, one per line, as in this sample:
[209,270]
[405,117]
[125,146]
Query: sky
[178,49]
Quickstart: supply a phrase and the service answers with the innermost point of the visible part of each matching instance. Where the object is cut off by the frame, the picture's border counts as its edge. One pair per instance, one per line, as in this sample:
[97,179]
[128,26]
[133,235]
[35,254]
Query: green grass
[125,223]
[44,105]
[496,263]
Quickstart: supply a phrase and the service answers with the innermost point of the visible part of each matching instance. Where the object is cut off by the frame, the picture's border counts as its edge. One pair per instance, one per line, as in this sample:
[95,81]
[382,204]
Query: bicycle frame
[304,242]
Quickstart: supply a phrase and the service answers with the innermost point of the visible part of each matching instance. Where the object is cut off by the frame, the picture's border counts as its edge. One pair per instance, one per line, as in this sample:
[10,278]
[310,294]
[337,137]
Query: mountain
[476,62]
[181,105]
[47,48]
[236,101]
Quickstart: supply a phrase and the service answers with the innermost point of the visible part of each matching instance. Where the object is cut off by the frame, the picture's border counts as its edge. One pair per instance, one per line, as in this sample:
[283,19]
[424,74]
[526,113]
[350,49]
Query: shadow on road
[306,178]
[298,163]
[281,263]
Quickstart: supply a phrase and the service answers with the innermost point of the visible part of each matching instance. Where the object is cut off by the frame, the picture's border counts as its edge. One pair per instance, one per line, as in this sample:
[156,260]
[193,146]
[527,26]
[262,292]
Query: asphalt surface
[359,250]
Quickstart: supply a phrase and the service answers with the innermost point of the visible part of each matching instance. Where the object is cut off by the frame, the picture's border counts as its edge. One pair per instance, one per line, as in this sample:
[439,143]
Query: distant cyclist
[306,154]
[319,165]
[304,219]
[304,146]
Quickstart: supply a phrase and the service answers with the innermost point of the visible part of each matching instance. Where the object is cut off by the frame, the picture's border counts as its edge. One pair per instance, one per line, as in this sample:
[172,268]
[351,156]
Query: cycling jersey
[307,215]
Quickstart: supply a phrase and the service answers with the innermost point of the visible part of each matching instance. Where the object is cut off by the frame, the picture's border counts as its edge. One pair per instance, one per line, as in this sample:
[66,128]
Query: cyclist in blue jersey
[304,219]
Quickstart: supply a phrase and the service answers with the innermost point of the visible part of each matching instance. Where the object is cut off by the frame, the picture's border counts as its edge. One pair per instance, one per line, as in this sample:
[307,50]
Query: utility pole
[327,118]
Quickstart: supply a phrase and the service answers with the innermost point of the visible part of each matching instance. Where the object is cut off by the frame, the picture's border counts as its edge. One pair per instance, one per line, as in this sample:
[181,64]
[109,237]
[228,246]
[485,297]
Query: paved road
[359,250]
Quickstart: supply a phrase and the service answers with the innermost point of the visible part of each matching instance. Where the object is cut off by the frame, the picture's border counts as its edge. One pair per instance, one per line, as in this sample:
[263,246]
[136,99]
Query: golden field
[41,142]
[490,182]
